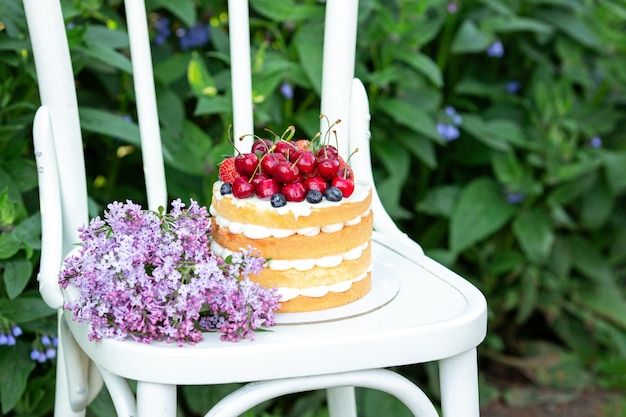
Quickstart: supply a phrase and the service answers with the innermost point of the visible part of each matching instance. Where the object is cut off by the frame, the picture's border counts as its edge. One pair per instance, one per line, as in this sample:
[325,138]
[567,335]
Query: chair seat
[414,327]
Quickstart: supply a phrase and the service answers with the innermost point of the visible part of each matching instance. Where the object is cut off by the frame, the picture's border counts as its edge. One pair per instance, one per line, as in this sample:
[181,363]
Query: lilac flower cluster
[152,276]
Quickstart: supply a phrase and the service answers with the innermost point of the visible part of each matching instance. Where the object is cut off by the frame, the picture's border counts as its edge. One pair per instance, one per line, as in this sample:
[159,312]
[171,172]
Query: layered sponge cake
[316,239]
[319,255]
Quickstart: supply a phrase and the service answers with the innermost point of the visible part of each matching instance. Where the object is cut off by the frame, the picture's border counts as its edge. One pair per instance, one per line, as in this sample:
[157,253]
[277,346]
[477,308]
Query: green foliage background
[527,202]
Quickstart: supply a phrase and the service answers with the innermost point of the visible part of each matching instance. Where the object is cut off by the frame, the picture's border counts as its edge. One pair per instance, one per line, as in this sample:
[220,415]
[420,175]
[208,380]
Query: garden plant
[499,144]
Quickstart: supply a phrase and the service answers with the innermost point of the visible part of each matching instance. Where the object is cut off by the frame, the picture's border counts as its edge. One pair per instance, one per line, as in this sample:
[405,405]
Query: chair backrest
[58,120]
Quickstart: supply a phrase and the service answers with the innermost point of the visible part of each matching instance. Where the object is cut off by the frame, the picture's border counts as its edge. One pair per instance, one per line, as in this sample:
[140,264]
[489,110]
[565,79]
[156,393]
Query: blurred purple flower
[496,49]
[452,7]
[195,36]
[162,27]
[596,142]
[513,87]
[447,131]
[515,197]
[286,90]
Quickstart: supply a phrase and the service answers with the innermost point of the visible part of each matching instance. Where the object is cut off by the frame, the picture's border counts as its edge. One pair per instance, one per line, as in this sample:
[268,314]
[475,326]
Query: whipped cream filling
[301,264]
[287,293]
[255,231]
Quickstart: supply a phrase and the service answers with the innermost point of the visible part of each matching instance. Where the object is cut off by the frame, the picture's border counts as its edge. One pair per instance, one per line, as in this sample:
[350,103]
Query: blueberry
[314,196]
[278,200]
[333,194]
[226,188]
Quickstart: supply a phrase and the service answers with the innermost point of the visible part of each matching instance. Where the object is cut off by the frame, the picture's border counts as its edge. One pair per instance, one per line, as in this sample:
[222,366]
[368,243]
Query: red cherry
[344,172]
[306,161]
[267,188]
[270,160]
[246,163]
[327,167]
[294,192]
[316,183]
[328,151]
[346,185]
[242,188]
[260,176]
[285,147]
[261,146]
[285,172]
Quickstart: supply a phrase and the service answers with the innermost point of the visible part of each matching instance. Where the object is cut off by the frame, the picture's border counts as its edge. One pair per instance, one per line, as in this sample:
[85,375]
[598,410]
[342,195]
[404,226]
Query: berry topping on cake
[227,172]
[278,200]
[226,188]
[285,170]
[333,194]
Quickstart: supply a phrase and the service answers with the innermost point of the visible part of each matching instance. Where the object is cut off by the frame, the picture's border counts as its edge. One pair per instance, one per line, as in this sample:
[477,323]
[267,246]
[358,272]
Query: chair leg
[62,406]
[156,400]
[72,379]
[341,402]
[459,385]
[122,396]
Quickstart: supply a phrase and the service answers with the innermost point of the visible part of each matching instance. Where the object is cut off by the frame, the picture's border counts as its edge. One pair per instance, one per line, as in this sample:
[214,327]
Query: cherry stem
[230,139]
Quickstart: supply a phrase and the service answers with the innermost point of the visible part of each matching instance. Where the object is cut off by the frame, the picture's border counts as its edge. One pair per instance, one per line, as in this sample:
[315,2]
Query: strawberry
[228,173]
[303,144]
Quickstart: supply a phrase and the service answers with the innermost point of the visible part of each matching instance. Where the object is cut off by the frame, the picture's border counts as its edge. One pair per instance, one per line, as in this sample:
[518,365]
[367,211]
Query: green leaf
[23,172]
[607,301]
[109,56]
[200,80]
[573,171]
[17,273]
[491,133]
[508,24]
[15,368]
[108,124]
[170,109]
[309,48]
[507,168]
[615,170]
[103,35]
[28,231]
[213,105]
[7,208]
[572,26]
[397,164]
[470,39]
[185,10]
[533,230]
[408,115]
[24,309]
[424,65]
[284,10]
[481,211]
[440,201]
[597,206]
[529,291]
[188,152]
[9,245]
[422,148]
[172,69]
[588,260]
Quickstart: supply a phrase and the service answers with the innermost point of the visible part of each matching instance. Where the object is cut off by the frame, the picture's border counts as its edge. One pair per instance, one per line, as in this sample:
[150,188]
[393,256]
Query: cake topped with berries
[298,203]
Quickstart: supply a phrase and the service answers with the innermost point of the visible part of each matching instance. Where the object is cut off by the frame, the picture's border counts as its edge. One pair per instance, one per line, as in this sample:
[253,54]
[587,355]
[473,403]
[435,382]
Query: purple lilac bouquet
[152,276]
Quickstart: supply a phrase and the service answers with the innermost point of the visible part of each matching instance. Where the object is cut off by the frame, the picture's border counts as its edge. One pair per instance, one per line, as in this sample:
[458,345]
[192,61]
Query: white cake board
[384,289]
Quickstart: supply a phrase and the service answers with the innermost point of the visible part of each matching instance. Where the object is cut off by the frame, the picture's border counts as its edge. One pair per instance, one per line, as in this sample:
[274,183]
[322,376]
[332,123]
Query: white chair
[436,315]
